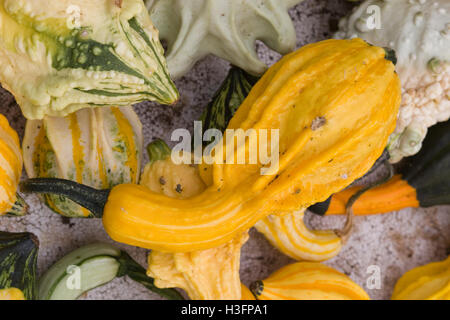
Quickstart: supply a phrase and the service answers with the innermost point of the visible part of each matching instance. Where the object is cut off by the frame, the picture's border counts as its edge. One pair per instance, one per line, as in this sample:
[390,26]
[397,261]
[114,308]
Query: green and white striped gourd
[98,147]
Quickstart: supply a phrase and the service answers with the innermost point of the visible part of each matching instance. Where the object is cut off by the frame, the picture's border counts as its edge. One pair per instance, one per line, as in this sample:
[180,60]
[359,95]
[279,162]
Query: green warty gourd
[59,58]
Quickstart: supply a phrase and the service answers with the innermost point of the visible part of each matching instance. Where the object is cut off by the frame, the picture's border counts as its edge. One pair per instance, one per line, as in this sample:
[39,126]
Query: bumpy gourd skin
[57,58]
[429,282]
[228,29]
[308,281]
[420,36]
[10,165]
[335,104]
[99,147]
[211,274]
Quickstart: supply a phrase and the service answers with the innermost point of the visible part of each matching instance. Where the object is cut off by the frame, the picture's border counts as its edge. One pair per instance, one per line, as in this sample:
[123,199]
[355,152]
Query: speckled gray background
[395,242]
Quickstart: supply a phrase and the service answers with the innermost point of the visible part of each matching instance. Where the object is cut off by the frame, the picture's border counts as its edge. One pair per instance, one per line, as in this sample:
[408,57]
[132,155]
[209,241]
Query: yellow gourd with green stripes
[10,165]
[98,147]
[308,281]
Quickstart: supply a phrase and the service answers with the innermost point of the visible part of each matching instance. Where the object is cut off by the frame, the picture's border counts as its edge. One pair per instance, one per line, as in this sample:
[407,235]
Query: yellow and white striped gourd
[291,236]
[308,281]
[99,147]
[10,165]
[429,282]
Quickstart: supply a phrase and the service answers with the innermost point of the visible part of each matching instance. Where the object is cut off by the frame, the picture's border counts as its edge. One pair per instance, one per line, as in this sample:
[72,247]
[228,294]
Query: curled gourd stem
[345,231]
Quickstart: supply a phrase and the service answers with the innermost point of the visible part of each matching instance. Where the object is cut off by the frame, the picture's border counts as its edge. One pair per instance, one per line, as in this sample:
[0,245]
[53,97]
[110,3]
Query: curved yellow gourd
[429,282]
[291,236]
[99,147]
[211,274]
[11,294]
[308,281]
[334,103]
[10,165]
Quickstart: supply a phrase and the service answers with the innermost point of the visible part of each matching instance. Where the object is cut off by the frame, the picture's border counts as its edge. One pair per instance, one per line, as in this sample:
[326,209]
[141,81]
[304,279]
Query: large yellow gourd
[335,104]
[10,165]
[429,282]
[308,281]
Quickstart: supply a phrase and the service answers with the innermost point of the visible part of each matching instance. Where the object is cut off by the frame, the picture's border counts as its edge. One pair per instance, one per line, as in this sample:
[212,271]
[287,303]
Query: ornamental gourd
[422,180]
[10,170]
[429,282]
[227,29]
[99,147]
[98,263]
[308,281]
[59,58]
[211,274]
[18,264]
[420,36]
[333,104]
[288,233]
[11,294]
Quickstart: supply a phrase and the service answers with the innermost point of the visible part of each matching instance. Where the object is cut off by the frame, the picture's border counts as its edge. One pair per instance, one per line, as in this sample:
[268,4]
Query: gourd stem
[136,272]
[92,199]
[257,288]
[345,232]
[158,150]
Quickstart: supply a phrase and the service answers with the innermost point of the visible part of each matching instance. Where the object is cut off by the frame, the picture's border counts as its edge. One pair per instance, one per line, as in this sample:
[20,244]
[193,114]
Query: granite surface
[395,242]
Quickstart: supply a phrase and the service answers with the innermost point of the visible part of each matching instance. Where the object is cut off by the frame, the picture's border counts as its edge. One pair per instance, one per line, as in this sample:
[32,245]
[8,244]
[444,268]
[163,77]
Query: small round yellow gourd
[11,294]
